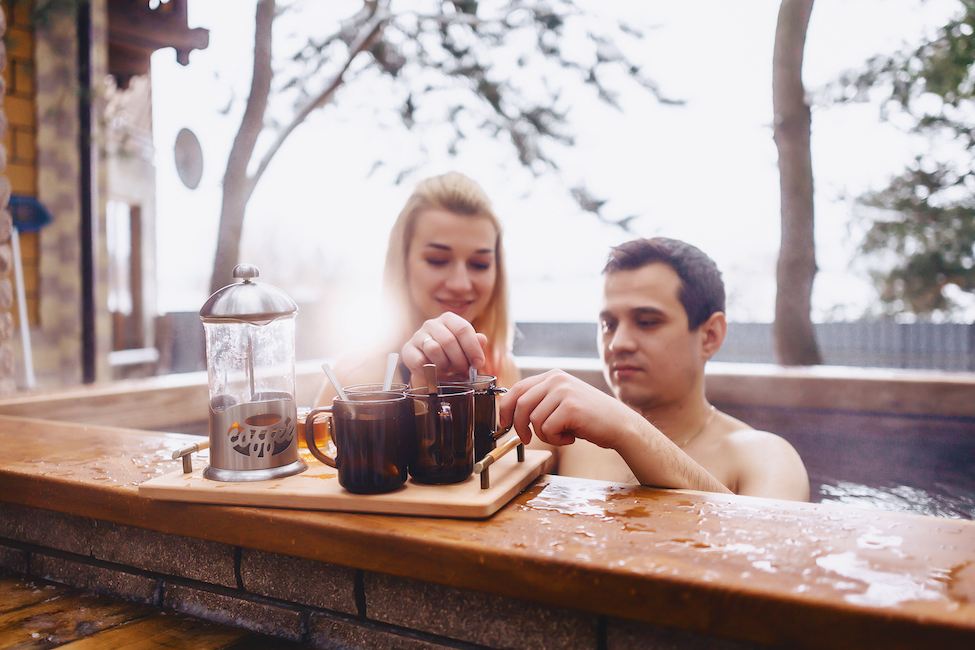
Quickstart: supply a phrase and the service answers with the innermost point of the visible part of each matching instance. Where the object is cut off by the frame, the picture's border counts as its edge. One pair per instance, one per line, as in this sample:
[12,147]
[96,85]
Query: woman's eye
[480,266]
[436,262]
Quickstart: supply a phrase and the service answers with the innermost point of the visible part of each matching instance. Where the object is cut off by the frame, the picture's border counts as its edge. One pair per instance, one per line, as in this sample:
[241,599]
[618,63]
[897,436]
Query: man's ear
[712,332]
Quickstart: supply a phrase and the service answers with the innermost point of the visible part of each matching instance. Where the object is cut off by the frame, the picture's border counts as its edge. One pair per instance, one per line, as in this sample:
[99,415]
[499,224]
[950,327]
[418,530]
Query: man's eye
[607,327]
[647,323]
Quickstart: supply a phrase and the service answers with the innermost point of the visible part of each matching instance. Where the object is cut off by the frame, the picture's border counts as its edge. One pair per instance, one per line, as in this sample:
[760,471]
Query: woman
[446,279]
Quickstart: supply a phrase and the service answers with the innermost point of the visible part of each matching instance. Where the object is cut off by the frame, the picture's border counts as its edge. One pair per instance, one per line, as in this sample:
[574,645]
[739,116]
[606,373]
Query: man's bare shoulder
[740,438]
[751,440]
[764,464]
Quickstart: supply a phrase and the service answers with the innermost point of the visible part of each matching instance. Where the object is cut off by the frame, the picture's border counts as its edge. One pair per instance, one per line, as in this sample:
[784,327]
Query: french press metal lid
[247,301]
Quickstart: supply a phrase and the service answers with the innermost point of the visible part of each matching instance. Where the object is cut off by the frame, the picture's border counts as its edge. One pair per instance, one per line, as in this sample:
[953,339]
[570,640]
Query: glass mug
[321,426]
[374,438]
[322,440]
[485,409]
[444,450]
[375,388]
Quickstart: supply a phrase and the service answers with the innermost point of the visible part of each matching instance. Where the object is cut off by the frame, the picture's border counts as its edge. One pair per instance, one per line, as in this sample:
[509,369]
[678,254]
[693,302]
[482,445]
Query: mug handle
[310,435]
[494,392]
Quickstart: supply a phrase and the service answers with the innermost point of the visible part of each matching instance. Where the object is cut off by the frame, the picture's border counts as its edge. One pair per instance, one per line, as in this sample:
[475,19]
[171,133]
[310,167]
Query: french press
[250,346]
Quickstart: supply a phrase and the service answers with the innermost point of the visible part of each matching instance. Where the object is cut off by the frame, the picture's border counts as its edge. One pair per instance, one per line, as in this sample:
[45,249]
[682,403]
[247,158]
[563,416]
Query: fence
[876,344]
[865,344]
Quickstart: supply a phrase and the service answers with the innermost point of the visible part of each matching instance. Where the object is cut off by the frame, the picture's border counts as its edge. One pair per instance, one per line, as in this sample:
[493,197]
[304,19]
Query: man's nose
[459,279]
[621,339]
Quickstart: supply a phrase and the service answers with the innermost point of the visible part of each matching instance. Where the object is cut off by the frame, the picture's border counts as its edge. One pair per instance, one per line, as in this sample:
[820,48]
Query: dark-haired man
[662,319]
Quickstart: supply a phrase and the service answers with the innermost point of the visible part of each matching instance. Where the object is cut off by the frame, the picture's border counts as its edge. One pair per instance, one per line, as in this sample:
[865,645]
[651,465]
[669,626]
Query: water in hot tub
[921,465]
[931,474]
[942,499]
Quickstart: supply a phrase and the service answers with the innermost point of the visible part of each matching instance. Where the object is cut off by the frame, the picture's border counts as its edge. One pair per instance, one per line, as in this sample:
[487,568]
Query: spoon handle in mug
[430,374]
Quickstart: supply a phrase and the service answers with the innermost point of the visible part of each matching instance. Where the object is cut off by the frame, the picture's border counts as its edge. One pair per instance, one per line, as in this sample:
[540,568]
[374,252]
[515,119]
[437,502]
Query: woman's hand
[448,341]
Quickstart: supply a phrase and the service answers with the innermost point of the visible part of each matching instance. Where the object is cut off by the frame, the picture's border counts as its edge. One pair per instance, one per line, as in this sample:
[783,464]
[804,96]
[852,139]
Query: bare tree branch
[360,43]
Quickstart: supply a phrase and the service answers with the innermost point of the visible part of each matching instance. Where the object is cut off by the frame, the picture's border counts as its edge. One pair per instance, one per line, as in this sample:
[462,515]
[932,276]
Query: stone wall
[324,605]
[57,344]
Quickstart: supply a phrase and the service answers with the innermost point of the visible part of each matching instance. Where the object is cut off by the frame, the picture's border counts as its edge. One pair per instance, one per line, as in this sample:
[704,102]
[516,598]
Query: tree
[795,340]
[924,241]
[447,52]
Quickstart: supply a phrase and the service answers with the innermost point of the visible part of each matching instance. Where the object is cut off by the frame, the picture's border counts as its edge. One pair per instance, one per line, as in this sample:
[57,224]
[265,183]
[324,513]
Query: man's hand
[561,408]
[448,341]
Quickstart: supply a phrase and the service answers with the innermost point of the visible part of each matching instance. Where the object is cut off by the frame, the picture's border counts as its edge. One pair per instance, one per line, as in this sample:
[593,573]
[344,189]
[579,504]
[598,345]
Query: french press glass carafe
[250,345]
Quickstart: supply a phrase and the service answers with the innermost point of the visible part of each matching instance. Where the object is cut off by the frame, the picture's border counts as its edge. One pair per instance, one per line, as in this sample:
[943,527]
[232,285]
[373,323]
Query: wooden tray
[317,488]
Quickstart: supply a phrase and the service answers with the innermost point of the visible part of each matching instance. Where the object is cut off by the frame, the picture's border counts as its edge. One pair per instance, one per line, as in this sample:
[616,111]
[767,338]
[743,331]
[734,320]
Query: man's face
[650,358]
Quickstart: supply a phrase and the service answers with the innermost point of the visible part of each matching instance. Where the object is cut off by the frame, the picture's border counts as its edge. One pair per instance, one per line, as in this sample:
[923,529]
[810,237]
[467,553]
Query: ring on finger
[426,340]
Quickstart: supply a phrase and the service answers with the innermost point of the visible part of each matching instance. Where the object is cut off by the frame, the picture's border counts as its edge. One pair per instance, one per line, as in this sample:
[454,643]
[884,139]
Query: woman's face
[450,264]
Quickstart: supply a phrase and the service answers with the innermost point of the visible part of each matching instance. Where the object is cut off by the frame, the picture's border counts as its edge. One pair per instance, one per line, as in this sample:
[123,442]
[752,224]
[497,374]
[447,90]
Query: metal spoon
[391,361]
[335,382]
[439,444]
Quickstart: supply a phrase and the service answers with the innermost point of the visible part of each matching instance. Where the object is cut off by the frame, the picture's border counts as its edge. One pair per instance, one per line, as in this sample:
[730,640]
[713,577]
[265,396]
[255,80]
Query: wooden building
[78,139]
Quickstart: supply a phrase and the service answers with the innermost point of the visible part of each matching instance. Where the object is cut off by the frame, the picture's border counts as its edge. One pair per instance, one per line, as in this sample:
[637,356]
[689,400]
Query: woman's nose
[458,280]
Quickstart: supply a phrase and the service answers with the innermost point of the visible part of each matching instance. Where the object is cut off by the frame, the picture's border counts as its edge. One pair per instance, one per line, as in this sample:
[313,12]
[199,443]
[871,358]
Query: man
[662,319]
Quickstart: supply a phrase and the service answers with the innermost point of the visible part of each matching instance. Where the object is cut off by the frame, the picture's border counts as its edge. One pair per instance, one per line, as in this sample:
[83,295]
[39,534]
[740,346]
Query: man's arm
[561,408]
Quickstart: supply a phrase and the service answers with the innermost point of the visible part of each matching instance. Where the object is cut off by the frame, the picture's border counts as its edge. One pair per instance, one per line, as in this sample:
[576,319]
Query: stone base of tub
[323,605]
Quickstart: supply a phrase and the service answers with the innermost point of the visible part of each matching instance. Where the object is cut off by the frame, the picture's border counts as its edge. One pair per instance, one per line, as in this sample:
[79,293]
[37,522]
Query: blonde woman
[445,277]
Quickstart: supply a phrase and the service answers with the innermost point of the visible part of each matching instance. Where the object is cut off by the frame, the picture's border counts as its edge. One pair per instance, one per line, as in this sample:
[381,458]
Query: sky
[705,172]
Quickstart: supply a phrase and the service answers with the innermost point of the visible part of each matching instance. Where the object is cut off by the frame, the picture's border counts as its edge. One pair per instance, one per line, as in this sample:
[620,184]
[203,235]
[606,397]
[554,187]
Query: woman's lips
[455,306]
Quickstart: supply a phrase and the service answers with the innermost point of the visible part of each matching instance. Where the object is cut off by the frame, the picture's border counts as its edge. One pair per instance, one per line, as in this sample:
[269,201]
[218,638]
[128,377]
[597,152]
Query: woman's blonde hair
[459,195]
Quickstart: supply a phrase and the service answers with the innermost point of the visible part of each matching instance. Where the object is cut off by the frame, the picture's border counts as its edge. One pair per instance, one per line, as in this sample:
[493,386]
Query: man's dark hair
[702,290]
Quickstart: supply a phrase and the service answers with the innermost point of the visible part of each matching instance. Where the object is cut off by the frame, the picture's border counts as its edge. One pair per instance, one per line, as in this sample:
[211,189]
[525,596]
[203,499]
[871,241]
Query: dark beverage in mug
[444,450]
[485,409]
[485,424]
[372,455]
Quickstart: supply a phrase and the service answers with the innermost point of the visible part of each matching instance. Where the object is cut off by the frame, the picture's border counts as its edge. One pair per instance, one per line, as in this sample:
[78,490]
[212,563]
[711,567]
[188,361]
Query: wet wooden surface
[798,575]
[37,614]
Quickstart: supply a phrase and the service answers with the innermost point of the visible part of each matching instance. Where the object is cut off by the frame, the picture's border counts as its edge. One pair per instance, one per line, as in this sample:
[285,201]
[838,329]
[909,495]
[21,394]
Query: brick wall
[7,384]
[321,604]
[42,157]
